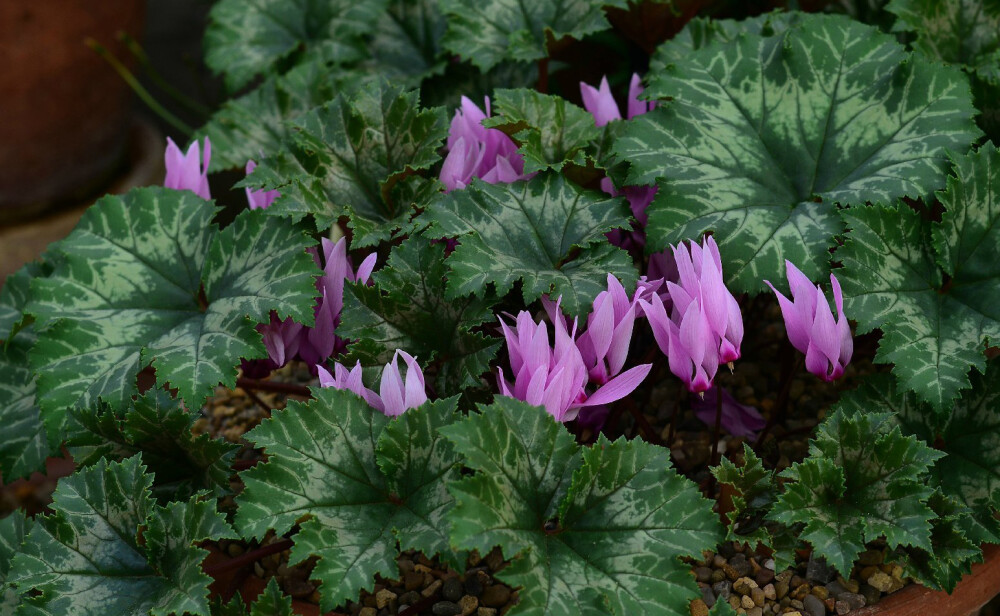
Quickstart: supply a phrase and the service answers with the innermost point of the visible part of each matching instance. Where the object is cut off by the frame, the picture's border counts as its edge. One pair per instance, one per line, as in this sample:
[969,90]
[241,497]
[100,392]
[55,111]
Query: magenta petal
[620,386]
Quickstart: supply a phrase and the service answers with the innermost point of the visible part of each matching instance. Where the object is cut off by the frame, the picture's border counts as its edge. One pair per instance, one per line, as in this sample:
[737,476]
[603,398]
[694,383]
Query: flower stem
[138,88]
[714,460]
[781,406]
[143,59]
[249,557]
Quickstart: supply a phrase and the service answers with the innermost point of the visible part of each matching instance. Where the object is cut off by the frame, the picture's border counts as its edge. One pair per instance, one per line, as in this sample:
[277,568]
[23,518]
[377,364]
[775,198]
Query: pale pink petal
[619,387]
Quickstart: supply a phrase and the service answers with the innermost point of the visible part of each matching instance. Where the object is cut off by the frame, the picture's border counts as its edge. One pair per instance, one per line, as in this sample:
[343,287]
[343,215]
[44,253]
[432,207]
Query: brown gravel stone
[413,580]
[432,589]
[497,595]
[486,611]
[757,595]
[698,608]
[468,603]
[384,598]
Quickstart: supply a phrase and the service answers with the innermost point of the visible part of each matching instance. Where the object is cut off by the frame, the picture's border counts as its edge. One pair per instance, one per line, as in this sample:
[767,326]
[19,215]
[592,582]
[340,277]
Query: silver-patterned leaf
[762,137]
[147,279]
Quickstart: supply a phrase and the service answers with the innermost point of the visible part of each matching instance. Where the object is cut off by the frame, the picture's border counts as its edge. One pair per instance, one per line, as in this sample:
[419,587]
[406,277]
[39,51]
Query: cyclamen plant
[645,238]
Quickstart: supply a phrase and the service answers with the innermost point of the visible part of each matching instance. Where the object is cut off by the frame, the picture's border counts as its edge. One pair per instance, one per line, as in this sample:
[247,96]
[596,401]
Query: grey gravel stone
[813,605]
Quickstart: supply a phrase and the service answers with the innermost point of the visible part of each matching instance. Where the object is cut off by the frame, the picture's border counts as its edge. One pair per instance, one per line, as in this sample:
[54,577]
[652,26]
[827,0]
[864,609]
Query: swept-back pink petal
[618,387]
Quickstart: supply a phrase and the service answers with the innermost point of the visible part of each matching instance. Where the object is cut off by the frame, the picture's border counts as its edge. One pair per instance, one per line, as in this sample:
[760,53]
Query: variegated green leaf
[245,40]
[362,485]
[254,126]
[357,157]
[24,445]
[763,136]
[968,434]
[934,331]
[701,32]
[607,540]
[551,130]
[146,278]
[863,479]
[13,529]
[160,427]
[406,44]
[108,549]
[15,292]
[406,309]
[952,554]
[963,32]
[487,32]
[755,490]
[542,232]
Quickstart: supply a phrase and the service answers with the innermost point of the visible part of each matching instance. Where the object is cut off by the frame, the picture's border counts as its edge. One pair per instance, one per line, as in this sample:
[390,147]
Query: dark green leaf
[952,554]
[245,40]
[272,602]
[701,32]
[407,309]
[13,529]
[763,136]
[486,32]
[863,479]
[405,46]
[542,232]
[361,486]
[146,278]
[14,295]
[755,491]
[933,332]
[24,445]
[607,540]
[551,130]
[159,427]
[107,549]
[963,32]
[357,158]
[255,125]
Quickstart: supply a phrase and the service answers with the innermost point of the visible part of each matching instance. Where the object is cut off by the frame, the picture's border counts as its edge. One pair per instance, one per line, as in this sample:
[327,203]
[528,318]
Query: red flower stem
[266,407]
[782,404]
[714,460]
[273,386]
[249,557]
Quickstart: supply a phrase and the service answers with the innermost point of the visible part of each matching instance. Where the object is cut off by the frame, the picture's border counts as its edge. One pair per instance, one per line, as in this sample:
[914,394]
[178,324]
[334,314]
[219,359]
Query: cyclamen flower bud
[188,171]
[395,395]
[475,151]
[810,325]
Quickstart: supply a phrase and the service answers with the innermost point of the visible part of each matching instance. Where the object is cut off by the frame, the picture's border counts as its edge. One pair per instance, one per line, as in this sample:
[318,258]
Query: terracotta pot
[65,111]
[973,592]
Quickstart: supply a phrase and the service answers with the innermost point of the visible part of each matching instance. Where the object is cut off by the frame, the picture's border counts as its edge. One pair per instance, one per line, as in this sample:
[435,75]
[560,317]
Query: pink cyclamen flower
[259,199]
[475,151]
[705,327]
[188,171]
[811,327]
[737,419]
[321,342]
[396,394]
[601,104]
[604,344]
[556,377]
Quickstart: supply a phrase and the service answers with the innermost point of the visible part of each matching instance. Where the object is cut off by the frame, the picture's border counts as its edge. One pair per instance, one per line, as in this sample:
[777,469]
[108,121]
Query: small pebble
[821,592]
[814,605]
[722,590]
[755,611]
[880,581]
[718,575]
[413,580]
[384,597]
[781,589]
[367,611]
[497,595]
[410,597]
[744,585]
[835,588]
[770,593]
[757,595]
[468,603]
[708,596]
[452,589]
[764,576]
[473,585]
[746,602]
[871,595]
[698,608]
[842,607]
[703,574]
[854,600]
[431,590]
[486,611]
[446,608]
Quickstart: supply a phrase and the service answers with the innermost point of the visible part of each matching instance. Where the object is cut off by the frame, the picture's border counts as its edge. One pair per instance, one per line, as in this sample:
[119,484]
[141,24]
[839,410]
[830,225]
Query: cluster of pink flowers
[395,396]
[557,377]
[287,339]
[695,320]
